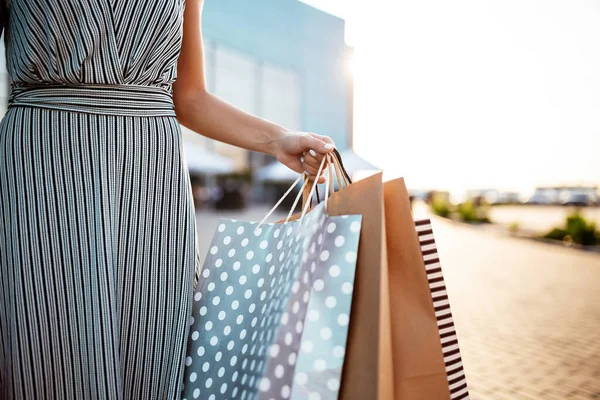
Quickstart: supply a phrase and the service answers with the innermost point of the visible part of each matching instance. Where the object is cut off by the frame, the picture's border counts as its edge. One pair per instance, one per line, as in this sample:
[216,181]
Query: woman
[97,228]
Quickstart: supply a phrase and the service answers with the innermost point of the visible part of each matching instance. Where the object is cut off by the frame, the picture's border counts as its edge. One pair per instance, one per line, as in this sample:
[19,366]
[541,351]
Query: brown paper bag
[457,381]
[419,370]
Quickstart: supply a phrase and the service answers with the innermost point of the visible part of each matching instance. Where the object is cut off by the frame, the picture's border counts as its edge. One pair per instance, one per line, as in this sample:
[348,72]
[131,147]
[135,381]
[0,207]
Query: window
[236,78]
[280,100]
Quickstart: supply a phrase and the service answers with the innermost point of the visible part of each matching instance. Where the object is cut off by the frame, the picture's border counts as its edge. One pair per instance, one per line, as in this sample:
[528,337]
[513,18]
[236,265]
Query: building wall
[293,36]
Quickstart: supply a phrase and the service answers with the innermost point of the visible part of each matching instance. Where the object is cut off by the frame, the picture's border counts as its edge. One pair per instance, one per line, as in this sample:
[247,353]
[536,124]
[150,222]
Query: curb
[574,246]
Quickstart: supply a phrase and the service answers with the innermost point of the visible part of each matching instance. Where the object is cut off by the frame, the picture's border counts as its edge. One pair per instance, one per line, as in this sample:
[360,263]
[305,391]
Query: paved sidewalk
[527,313]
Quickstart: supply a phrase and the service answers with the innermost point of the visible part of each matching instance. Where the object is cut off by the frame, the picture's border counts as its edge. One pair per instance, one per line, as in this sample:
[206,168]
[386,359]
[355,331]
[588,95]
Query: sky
[470,94]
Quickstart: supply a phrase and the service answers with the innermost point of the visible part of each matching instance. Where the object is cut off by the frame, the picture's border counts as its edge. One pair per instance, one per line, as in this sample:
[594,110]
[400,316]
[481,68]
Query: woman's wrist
[273,143]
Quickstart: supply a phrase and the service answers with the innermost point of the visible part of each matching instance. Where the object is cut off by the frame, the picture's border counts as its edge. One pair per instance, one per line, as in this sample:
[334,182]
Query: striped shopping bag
[426,359]
[454,367]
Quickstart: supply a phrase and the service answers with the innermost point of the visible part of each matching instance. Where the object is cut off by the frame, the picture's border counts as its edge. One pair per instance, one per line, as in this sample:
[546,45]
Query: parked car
[579,199]
[567,195]
[501,197]
[540,199]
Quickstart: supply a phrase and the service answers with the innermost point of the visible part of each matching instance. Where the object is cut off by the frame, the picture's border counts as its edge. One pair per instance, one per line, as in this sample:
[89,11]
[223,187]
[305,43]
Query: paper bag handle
[329,159]
[341,167]
[342,176]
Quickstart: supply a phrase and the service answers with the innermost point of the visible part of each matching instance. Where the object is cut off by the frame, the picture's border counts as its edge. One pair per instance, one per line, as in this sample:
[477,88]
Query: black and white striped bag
[454,367]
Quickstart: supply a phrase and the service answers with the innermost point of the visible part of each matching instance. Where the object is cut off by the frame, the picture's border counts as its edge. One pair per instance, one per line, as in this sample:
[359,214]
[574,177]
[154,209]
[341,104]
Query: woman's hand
[303,152]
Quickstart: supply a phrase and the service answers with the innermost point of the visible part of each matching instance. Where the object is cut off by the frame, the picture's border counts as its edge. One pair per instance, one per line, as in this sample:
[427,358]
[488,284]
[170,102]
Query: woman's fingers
[310,149]
[317,143]
[322,179]
[323,138]
[312,163]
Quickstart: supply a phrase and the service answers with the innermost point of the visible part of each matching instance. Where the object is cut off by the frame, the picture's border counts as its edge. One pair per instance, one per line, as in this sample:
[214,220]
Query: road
[527,314]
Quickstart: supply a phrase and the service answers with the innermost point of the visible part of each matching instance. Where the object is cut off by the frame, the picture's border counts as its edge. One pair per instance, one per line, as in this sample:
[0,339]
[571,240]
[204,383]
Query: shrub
[471,212]
[556,234]
[576,230]
[440,206]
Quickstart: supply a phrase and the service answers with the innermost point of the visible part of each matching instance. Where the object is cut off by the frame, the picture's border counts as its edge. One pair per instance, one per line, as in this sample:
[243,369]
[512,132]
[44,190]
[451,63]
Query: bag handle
[305,184]
[338,156]
[335,164]
[341,174]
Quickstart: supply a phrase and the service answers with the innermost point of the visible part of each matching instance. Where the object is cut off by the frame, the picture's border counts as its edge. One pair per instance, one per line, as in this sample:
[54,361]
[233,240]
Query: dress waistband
[128,100]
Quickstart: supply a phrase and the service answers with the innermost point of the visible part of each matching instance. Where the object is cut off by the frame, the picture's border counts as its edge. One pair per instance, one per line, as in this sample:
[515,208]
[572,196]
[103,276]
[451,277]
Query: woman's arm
[205,113]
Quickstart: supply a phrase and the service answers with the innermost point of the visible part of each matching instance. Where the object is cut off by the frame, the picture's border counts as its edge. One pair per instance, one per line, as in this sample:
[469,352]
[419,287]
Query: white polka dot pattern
[249,334]
[321,355]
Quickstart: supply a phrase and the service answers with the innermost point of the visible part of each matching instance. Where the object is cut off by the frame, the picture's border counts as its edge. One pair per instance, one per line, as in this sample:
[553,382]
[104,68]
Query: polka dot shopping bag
[271,309]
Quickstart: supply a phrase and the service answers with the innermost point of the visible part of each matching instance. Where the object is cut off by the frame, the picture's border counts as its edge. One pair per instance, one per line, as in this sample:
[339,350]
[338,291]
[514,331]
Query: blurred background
[491,112]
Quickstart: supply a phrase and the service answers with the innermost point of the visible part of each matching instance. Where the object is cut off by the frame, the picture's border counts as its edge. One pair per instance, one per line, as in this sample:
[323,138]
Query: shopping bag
[404,358]
[271,309]
[455,373]
[426,359]
[321,357]
[422,368]
[327,289]
[367,371]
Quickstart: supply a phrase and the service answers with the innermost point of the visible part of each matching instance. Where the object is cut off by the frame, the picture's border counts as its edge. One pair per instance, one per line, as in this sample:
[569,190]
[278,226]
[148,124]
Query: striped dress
[97,228]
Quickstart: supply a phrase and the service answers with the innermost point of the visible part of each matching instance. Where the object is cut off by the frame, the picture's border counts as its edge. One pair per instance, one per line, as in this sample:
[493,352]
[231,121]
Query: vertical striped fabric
[97,228]
[454,367]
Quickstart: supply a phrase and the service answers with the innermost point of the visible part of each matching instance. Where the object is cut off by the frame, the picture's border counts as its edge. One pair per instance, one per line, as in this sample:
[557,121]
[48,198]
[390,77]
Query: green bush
[556,234]
[576,230]
[468,211]
[471,212]
[440,206]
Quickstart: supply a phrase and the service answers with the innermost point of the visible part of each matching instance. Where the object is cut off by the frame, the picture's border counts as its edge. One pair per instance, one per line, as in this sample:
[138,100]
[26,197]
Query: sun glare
[351,64]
